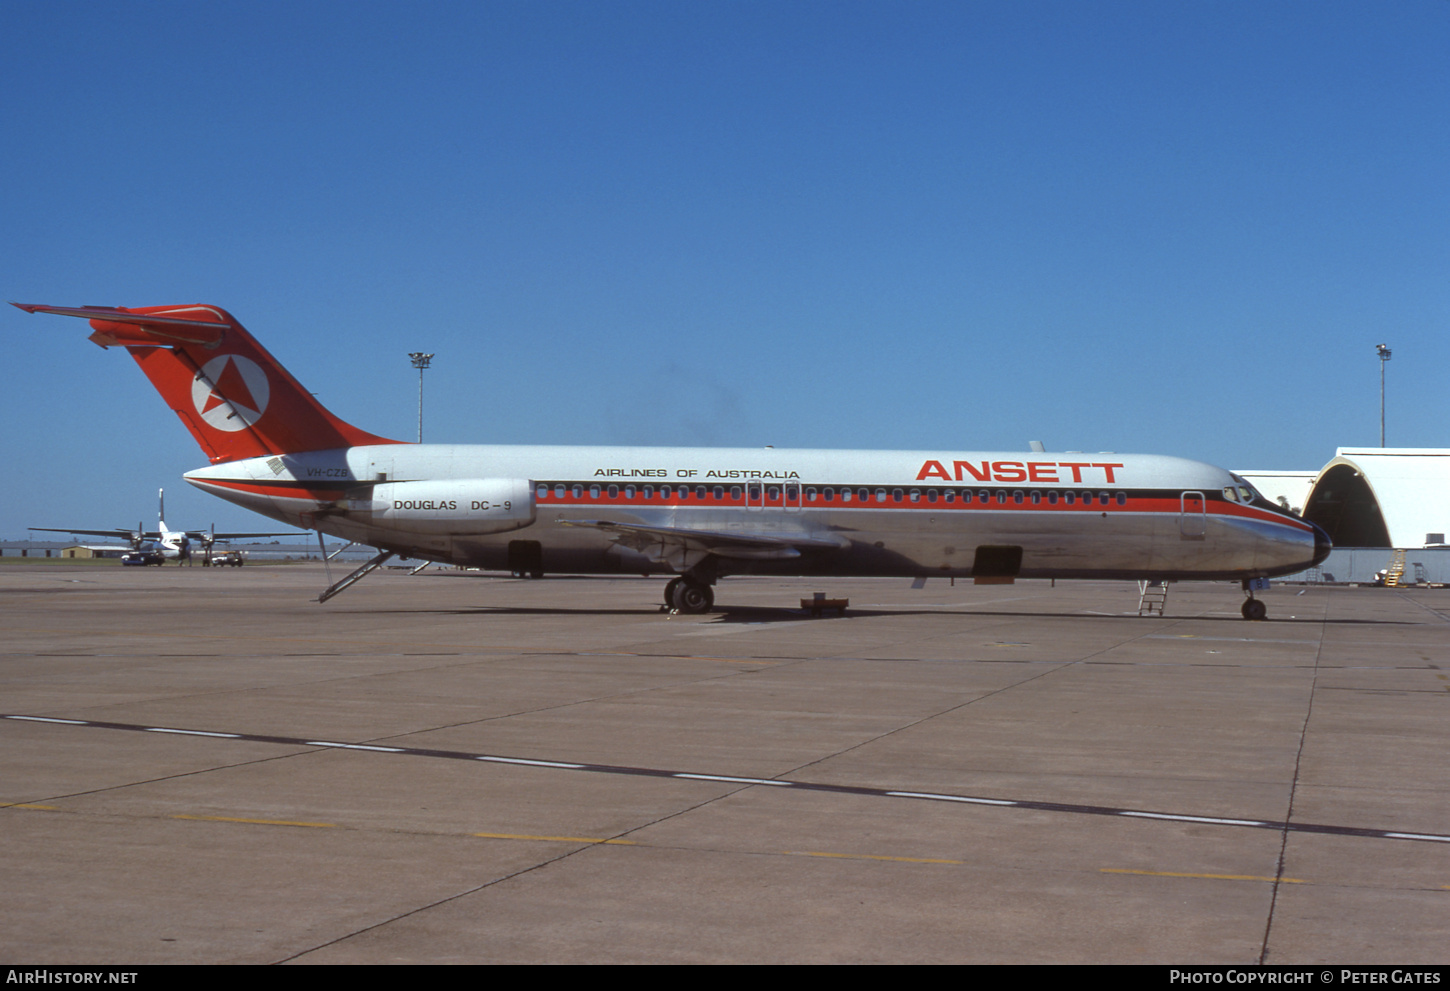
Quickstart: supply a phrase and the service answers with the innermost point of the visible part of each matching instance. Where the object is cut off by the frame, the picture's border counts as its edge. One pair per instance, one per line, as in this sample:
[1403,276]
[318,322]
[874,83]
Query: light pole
[420,362]
[1384,353]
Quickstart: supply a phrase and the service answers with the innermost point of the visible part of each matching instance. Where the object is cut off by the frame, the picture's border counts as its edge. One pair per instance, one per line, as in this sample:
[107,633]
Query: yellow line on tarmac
[1211,877]
[411,644]
[552,839]
[870,856]
[29,805]
[260,822]
[226,636]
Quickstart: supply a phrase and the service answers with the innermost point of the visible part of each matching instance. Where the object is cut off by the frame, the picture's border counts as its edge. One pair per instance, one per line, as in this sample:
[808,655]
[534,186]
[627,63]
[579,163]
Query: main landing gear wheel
[689,597]
[1254,609]
[670,587]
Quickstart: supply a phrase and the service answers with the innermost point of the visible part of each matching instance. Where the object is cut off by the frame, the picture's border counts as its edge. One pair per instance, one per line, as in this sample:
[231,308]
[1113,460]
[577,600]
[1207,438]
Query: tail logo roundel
[231,392]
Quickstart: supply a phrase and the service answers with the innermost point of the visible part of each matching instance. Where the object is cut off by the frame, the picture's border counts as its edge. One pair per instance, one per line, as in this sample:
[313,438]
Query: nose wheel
[1252,607]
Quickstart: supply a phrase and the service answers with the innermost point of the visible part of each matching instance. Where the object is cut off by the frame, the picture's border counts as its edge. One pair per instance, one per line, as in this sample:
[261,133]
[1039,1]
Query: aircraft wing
[684,547]
[208,535]
[127,534]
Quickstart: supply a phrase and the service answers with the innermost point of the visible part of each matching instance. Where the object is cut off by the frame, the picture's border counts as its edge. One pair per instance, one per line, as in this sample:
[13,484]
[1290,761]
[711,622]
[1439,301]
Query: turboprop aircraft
[170,545]
[698,513]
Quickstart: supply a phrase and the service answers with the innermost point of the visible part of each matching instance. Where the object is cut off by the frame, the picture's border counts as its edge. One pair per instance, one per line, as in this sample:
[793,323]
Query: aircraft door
[1192,516]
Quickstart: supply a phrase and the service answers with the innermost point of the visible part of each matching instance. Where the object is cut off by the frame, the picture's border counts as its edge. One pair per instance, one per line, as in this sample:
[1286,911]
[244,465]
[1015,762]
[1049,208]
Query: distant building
[83,550]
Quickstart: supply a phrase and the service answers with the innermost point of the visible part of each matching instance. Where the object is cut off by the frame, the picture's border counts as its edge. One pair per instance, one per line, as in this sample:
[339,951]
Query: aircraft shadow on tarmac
[725,614]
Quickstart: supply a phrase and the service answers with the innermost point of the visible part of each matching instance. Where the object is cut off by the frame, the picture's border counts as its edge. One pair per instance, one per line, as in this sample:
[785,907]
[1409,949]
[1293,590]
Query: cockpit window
[1230,494]
[1247,493]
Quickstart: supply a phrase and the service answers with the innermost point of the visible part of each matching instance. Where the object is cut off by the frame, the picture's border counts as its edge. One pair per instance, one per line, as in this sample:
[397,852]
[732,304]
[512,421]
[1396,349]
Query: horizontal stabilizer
[118,326]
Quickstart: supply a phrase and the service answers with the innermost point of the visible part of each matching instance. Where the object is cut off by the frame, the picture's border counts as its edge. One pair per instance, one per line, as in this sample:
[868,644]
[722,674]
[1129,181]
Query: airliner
[697,514]
[166,544]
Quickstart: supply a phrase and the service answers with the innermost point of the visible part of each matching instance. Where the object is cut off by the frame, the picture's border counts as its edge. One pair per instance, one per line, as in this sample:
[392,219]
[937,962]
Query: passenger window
[897,495]
[829,495]
[772,493]
[916,495]
[614,492]
[578,491]
[810,494]
[1036,497]
[649,491]
[1001,497]
[719,492]
[699,492]
[1122,498]
[984,497]
[754,493]
[542,491]
[666,491]
[1069,498]
[1052,498]
[735,491]
[949,495]
[594,492]
[559,491]
[1017,496]
[793,493]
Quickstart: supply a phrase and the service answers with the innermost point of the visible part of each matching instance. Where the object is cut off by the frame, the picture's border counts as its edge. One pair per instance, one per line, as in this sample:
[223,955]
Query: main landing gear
[1254,608]
[688,595]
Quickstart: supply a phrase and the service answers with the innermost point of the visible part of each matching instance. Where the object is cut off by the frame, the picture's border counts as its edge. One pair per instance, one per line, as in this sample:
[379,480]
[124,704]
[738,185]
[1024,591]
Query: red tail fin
[233,396]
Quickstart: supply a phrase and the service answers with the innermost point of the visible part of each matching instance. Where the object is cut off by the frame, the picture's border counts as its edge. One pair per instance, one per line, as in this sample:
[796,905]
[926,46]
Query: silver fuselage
[923,513]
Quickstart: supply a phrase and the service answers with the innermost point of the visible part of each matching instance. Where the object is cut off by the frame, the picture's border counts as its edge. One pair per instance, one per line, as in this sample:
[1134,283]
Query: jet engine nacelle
[463,507]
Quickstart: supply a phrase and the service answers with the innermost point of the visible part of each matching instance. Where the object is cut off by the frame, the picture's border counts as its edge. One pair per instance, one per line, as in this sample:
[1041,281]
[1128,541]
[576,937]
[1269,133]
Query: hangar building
[1373,498]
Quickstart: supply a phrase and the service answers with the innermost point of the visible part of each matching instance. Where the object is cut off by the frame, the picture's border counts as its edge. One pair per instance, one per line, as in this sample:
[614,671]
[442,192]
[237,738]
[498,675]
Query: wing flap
[683,547]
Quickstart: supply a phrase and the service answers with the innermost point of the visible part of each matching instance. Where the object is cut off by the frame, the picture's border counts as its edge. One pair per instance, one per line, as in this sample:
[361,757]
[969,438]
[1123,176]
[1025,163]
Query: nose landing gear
[1253,608]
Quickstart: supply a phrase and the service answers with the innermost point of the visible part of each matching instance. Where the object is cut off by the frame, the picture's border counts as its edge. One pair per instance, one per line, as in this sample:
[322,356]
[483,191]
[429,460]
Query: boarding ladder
[1152,597]
[1396,570]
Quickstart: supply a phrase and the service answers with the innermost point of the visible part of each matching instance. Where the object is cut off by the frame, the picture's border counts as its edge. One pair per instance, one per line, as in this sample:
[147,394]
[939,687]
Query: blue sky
[1173,228]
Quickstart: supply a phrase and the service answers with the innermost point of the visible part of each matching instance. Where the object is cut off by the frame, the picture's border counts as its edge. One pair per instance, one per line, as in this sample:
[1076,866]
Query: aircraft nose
[1322,545]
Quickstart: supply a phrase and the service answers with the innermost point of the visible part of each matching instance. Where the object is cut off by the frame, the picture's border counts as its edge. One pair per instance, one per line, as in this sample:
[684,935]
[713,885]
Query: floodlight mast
[1384,352]
[420,362]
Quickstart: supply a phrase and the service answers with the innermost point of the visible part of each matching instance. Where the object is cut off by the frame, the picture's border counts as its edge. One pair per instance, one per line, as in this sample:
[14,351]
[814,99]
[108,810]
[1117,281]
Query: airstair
[1152,597]
[1396,571]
